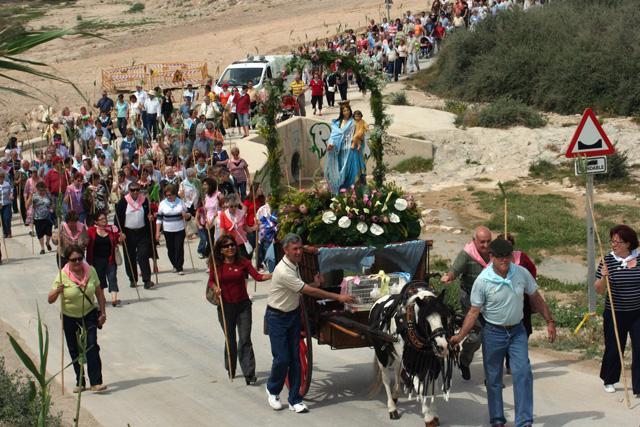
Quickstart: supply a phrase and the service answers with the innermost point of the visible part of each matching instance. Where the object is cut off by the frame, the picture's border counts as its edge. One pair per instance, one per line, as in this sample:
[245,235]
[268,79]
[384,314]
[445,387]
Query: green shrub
[16,408]
[415,164]
[548,171]
[563,57]
[136,8]
[456,107]
[507,112]
[617,168]
[398,98]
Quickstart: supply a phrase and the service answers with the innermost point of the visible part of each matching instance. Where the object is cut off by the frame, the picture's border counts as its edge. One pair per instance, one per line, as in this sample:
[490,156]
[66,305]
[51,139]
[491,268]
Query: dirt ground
[66,404]
[186,31]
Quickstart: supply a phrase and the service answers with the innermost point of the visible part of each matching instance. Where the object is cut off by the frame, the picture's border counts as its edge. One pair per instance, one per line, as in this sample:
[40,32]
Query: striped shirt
[170,215]
[625,285]
[297,88]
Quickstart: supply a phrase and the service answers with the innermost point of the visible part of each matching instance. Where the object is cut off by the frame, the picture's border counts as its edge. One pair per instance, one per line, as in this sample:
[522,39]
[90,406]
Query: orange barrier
[163,74]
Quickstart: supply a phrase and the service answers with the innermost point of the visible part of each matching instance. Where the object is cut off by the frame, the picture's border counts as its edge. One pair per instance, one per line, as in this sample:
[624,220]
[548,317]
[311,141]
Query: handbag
[98,312]
[118,256]
[210,294]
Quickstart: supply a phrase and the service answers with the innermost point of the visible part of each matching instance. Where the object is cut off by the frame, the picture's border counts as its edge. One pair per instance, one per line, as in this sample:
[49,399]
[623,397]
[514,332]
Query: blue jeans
[496,343]
[5,213]
[202,245]
[284,334]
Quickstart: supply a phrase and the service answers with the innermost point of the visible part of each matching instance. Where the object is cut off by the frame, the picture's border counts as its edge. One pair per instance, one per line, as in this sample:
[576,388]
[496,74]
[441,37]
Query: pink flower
[375,218]
[343,190]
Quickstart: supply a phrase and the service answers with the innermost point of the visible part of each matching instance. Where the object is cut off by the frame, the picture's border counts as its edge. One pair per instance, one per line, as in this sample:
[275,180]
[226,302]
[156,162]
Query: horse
[420,322]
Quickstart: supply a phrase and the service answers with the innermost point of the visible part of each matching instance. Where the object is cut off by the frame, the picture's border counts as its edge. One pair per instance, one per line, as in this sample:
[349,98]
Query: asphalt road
[162,360]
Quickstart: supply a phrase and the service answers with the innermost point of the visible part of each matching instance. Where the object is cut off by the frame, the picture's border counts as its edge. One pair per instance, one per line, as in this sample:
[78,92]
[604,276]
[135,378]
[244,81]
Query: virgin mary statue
[344,163]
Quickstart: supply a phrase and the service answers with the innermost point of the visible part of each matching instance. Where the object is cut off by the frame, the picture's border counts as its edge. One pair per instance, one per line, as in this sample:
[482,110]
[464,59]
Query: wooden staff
[153,249]
[20,197]
[255,222]
[216,281]
[193,267]
[4,244]
[506,212]
[613,311]
[126,251]
[61,299]
[33,249]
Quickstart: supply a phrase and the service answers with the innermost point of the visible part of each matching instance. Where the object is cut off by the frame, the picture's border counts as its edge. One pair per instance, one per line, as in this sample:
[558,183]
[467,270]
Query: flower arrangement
[353,217]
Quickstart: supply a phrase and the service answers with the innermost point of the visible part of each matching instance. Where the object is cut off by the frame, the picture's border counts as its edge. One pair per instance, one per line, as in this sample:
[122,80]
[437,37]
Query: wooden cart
[328,322]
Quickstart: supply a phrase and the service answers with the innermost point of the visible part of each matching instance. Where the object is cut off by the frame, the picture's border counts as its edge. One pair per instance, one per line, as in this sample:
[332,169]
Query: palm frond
[15,40]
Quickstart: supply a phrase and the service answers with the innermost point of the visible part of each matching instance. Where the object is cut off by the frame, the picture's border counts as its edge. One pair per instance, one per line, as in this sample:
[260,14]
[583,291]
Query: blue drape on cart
[405,255]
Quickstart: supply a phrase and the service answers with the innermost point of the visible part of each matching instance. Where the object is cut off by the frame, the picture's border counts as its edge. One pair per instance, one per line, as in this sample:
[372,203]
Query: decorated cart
[364,243]
[340,327]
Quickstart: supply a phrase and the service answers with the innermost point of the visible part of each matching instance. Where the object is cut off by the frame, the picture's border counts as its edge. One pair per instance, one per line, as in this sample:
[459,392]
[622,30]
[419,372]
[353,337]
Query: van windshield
[240,76]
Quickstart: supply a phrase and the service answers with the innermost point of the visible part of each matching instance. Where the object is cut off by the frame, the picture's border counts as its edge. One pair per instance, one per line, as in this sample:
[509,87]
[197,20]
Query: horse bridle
[413,335]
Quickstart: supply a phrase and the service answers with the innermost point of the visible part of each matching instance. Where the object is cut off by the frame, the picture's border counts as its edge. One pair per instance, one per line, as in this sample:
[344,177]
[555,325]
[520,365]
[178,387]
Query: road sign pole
[591,247]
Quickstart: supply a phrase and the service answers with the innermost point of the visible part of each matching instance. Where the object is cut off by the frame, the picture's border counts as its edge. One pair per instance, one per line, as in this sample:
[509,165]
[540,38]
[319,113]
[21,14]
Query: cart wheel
[306,352]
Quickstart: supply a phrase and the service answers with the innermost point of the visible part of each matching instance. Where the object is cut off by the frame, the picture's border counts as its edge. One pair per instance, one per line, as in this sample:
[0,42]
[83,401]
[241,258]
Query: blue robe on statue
[343,165]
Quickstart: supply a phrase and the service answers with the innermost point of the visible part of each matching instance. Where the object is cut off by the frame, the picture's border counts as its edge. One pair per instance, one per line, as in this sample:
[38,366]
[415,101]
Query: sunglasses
[228,245]
[77,259]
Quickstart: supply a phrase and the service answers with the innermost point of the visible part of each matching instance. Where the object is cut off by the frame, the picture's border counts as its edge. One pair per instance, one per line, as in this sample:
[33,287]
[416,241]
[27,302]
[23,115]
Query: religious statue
[345,164]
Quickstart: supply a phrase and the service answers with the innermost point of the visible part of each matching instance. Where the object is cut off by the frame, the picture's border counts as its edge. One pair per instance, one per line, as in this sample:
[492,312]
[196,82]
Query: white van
[255,68]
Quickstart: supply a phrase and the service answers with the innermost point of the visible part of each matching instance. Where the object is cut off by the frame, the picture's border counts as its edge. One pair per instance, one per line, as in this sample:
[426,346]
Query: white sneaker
[609,388]
[274,401]
[299,408]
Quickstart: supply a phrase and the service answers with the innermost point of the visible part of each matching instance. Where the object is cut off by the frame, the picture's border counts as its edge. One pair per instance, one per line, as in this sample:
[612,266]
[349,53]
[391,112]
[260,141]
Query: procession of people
[109,187]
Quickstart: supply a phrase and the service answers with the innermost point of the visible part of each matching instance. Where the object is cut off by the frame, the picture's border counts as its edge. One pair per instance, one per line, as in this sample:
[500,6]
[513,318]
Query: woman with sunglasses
[172,214]
[621,272]
[79,286]
[103,240]
[232,269]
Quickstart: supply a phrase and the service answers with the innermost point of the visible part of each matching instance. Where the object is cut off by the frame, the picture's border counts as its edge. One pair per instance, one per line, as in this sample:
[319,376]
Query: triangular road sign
[589,139]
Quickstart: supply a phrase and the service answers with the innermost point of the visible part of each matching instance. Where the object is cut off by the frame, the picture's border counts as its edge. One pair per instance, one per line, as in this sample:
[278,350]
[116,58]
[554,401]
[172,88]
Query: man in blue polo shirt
[498,294]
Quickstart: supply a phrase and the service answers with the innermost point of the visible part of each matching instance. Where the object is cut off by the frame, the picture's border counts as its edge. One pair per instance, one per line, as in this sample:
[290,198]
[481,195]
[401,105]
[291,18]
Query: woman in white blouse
[172,214]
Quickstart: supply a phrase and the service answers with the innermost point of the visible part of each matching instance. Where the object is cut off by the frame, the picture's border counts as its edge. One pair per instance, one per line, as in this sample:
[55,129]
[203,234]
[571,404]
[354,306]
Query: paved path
[163,364]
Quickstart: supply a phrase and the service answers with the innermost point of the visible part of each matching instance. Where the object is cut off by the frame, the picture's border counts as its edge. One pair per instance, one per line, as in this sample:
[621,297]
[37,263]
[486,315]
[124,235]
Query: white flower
[344,222]
[376,230]
[329,217]
[394,219]
[400,205]
[366,210]
[362,227]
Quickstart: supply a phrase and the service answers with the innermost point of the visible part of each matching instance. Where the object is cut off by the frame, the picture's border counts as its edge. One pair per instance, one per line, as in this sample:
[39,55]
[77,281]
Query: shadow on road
[127,384]
[142,299]
[557,420]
